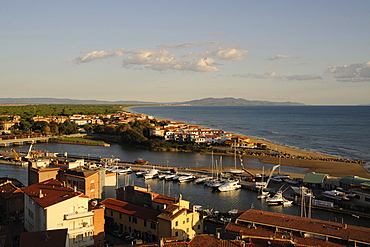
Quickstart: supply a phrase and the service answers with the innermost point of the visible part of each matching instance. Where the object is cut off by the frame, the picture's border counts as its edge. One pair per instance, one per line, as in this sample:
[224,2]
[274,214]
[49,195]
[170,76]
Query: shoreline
[313,161]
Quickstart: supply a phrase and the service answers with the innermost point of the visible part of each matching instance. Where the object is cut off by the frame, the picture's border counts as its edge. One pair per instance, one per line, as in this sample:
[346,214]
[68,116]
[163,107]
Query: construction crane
[16,155]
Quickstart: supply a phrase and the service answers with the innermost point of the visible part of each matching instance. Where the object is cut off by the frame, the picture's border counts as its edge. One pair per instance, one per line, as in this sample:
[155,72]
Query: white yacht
[186,178]
[229,185]
[201,179]
[278,199]
[151,173]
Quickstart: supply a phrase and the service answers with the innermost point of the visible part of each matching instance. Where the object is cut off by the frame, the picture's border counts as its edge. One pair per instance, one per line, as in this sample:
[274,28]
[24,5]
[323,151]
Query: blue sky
[314,52]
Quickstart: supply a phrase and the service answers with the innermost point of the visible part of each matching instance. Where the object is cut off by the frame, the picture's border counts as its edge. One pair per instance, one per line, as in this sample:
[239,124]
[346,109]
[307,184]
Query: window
[176,223]
[144,222]
[176,234]
[187,220]
[153,226]
[129,218]
[187,229]
[120,216]
[111,213]
[134,220]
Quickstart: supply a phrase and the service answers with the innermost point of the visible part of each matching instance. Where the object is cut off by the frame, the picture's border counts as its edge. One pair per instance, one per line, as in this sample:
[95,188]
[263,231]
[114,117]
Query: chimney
[41,195]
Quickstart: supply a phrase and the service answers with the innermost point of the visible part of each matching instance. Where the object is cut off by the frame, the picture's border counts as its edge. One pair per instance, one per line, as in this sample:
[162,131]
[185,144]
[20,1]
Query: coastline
[313,161]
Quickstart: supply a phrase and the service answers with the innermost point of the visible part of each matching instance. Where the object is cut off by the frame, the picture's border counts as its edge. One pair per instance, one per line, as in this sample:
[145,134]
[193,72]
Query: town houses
[169,130]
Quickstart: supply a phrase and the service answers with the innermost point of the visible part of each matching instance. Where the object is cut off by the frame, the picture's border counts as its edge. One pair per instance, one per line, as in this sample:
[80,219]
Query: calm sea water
[342,131]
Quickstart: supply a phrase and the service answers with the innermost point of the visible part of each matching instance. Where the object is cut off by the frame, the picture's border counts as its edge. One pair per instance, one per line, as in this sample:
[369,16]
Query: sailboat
[262,193]
[235,170]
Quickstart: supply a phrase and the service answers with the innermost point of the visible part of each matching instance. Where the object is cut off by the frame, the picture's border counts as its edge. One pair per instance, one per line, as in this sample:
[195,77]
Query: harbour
[198,194]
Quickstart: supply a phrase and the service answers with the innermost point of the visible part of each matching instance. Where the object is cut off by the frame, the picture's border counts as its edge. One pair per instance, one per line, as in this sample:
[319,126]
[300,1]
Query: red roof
[131,209]
[326,228]
[50,192]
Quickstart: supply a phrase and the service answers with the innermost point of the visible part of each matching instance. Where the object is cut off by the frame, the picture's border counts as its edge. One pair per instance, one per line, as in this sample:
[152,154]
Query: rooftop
[50,192]
[296,223]
[131,209]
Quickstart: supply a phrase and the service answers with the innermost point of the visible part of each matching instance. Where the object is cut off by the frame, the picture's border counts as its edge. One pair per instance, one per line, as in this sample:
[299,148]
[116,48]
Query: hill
[237,102]
[229,101]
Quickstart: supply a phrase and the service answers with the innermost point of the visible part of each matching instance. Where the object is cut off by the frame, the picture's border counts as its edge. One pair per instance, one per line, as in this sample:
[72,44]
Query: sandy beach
[314,162]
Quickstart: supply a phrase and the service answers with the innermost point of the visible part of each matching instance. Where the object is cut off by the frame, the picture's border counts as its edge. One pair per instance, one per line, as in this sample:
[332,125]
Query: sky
[315,52]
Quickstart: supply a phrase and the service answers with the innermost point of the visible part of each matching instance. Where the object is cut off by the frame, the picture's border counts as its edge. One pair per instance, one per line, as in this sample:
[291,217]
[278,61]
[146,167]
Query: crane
[16,156]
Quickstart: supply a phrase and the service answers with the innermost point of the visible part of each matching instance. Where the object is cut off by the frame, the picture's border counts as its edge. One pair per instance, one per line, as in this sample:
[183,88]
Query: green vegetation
[29,111]
[77,140]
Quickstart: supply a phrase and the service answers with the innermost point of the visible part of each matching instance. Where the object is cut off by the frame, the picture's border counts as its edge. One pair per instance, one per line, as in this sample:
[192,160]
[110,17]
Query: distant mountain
[237,102]
[206,101]
[51,101]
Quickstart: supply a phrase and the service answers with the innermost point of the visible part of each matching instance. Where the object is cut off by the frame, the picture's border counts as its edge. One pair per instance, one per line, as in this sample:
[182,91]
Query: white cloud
[269,75]
[229,54]
[162,60]
[97,55]
[357,72]
[279,57]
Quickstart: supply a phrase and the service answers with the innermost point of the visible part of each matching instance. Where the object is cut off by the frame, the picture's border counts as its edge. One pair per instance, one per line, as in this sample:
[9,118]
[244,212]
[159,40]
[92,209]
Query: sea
[342,131]
[335,130]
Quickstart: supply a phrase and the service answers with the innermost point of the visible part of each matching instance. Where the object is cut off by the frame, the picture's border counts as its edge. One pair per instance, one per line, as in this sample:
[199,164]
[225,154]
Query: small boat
[278,199]
[186,178]
[170,176]
[140,161]
[152,173]
[229,186]
[201,179]
[178,175]
[217,183]
[141,173]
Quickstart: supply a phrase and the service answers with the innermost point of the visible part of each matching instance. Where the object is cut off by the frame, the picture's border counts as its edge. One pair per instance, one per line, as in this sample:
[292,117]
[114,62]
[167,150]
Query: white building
[51,205]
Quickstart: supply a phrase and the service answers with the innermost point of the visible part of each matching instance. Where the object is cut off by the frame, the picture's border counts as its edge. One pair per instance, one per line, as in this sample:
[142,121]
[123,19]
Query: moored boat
[229,186]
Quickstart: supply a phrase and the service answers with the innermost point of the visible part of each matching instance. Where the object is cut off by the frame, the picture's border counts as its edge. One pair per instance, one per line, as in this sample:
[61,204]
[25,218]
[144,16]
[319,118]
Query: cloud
[279,57]
[357,72]
[97,55]
[162,60]
[197,60]
[229,54]
[273,75]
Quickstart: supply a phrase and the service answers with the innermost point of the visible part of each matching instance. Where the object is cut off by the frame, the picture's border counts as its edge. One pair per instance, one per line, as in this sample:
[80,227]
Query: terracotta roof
[319,227]
[9,190]
[52,192]
[131,209]
[204,240]
[259,235]
[172,212]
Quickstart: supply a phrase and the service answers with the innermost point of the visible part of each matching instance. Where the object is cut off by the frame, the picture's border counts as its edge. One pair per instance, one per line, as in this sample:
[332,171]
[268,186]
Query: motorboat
[217,183]
[201,179]
[229,185]
[151,173]
[141,173]
[170,176]
[178,175]
[186,178]
[278,199]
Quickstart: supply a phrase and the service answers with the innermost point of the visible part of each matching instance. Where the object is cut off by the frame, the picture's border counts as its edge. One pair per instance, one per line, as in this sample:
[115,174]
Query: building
[88,182]
[50,205]
[11,200]
[297,230]
[151,216]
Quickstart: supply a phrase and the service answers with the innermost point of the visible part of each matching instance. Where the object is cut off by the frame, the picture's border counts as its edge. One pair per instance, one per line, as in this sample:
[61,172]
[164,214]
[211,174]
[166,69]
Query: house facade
[51,205]
[151,216]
